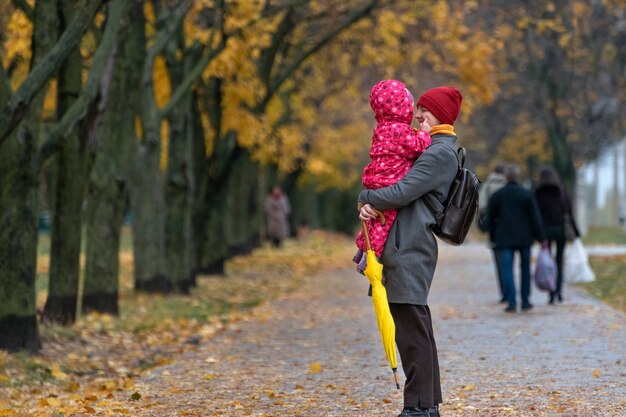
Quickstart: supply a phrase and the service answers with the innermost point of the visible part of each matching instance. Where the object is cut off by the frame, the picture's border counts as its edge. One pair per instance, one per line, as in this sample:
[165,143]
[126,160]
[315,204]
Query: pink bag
[545,271]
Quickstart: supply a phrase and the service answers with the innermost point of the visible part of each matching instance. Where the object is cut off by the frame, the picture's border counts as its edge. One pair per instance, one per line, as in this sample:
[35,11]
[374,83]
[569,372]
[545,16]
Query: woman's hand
[366,212]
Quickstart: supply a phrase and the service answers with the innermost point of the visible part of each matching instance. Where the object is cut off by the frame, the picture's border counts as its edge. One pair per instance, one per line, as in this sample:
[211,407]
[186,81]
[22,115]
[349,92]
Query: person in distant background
[277,210]
[493,183]
[556,212]
[514,224]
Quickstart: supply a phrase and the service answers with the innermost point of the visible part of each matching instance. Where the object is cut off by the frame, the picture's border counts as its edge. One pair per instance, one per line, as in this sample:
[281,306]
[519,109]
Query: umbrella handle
[395,377]
[366,235]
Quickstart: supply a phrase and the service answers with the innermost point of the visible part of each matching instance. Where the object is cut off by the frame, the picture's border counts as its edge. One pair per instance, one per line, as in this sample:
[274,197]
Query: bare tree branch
[18,104]
[164,36]
[103,59]
[268,56]
[350,20]
[160,41]
[198,68]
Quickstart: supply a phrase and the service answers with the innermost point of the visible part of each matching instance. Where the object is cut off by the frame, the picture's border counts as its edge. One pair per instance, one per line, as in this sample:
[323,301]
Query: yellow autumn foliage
[469,55]
[162,83]
[330,121]
[291,139]
[208,133]
[524,143]
[242,13]
[165,144]
[390,28]
[150,20]
[332,162]
[138,127]
[50,100]
[17,46]
[388,39]
[193,27]
[275,109]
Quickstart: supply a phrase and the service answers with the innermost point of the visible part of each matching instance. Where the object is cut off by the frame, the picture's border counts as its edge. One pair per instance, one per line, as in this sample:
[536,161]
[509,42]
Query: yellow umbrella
[386,326]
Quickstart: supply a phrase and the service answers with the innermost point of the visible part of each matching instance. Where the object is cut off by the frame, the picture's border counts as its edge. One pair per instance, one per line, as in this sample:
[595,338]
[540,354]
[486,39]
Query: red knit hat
[443,102]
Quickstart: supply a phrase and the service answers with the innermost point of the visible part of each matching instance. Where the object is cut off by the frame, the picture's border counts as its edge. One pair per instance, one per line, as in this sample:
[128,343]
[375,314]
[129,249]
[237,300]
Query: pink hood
[391,102]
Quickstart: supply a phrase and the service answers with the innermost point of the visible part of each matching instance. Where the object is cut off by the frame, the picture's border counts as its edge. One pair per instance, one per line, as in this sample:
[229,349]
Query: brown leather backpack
[454,218]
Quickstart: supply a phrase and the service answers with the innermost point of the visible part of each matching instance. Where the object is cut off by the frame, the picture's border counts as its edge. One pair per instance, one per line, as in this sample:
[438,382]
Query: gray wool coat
[410,253]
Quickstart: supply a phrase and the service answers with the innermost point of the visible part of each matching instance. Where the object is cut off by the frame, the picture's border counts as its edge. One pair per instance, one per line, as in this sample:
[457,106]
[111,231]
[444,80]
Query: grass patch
[605,236]
[610,283]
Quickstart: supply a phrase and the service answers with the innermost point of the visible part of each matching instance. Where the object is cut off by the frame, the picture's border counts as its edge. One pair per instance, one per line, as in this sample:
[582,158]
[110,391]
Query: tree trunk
[104,217]
[107,192]
[70,187]
[178,191]
[147,195]
[210,205]
[562,159]
[622,199]
[213,248]
[18,206]
[148,208]
[198,164]
[338,210]
[305,207]
[242,215]
[597,213]
[18,243]
[615,201]
[103,223]
[205,260]
[229,211]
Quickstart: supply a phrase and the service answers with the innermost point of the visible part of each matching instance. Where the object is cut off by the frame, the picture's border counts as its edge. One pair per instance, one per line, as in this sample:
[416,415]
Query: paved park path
[316,352]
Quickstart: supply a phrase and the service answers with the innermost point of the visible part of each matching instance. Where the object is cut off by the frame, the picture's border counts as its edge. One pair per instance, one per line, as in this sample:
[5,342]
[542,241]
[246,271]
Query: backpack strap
[460,156]
[437,207]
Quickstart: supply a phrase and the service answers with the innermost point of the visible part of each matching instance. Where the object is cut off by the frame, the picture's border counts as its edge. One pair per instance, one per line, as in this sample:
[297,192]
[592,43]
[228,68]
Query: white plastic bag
[577,267]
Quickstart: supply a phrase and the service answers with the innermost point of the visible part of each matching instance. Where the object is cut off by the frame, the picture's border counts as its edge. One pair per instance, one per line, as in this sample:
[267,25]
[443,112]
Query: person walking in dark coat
[495,180]
[410,253]
[514,224]
[556,211]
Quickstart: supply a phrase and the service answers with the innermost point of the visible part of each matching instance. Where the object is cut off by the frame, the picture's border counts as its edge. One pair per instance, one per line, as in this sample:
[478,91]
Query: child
[395,147]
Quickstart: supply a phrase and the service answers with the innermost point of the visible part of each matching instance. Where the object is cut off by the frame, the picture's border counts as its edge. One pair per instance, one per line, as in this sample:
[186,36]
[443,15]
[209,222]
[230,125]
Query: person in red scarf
[409,257]
[395,147]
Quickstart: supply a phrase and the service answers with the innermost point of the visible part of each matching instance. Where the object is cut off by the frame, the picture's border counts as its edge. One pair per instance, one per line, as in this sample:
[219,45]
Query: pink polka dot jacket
[395,147]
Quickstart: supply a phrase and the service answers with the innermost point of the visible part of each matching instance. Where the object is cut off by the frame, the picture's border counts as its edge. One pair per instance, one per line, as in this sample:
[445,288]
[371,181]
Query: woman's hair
[500,168]
[548,176]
